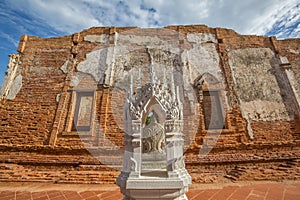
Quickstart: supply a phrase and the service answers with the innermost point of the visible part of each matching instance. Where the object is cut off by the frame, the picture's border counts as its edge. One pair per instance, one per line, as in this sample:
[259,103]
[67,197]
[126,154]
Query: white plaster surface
[64,67]
[74,81]
[15,88]
[202,58]
[111,60]
[255,84]
[294,84]
[201,38]
[95,64]
[10,75]
[103,38]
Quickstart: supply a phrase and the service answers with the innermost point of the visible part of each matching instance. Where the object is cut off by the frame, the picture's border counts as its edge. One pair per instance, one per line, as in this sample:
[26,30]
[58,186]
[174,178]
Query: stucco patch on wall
[256,85]
[12,81]
[201,58]
[96,38]
[201,38]
[95,63]
[110,63]
[151,41]
[259,110]
[15,88]
[294,84]
[64,67]
[74,81]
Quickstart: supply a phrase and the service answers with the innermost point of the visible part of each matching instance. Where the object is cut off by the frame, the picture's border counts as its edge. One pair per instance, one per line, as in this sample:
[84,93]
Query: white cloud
[284,12]
[9,38]
[246,17]
[180,12]
[65,16]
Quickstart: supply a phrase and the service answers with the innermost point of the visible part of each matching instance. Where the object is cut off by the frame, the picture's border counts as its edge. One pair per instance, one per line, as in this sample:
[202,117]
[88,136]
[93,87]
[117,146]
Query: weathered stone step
[233,178]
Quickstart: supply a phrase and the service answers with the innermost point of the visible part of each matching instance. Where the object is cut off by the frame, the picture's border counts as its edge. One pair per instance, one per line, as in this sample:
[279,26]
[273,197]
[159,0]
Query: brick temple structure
[61,103]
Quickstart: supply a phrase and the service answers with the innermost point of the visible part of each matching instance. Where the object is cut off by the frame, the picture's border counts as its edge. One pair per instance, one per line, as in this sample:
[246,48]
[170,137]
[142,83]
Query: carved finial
[127,97]
[116,38]
[179,102]
[173,85]
[151,70]
[164,79]
[177,93]
[139,80]
[152,75]
[131,86]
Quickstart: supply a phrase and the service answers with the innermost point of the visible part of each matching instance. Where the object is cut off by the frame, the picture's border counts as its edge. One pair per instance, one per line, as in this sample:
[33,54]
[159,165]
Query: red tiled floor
[237,191]
[275,192]
[58,198]
[240,193]
[206,194]
[99,192]
[23,195]
[261,190]
[7,195]
[72,195]
[193,194]
[291,193]
[92,198]
[87,194]
[75,198]
[254,197]
[225,193]
[42,198]
[54,194]
[39,195]
[106,195]
[112,195]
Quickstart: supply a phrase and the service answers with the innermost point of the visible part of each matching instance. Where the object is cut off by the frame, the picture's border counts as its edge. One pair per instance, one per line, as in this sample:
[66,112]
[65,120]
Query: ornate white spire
[164,78]
[139,80]
[179,103]
[131,86]
[173,85]
[151,70]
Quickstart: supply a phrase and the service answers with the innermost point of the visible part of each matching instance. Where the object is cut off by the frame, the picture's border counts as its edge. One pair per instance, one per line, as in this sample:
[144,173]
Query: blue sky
[51,18]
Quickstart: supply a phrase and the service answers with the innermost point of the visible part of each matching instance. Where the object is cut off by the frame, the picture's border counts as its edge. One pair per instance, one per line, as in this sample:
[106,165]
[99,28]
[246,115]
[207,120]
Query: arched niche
[207,81]
[155,106]
[212,97]
[153,140]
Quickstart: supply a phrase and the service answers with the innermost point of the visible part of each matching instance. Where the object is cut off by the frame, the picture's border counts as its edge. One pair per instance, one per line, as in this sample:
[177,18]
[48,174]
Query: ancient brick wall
[255,80]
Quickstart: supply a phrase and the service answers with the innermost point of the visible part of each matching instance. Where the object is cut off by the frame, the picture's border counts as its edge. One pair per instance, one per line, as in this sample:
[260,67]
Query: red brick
[37,144]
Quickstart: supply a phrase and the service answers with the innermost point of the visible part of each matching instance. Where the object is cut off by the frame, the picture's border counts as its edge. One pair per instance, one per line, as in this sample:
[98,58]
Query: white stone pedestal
[146,187]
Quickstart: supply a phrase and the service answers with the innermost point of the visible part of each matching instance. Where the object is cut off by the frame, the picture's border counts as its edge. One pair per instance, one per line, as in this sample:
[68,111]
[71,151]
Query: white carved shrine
[153,161]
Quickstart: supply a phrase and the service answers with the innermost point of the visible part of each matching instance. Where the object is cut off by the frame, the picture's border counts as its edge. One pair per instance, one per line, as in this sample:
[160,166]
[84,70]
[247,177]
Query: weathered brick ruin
[254,81]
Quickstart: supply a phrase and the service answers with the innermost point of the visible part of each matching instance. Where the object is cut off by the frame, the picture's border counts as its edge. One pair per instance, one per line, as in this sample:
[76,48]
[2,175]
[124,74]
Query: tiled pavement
[233,191]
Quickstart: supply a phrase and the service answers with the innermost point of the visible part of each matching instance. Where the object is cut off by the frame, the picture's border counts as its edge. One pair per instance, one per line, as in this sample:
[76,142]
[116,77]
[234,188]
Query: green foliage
[148,120]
